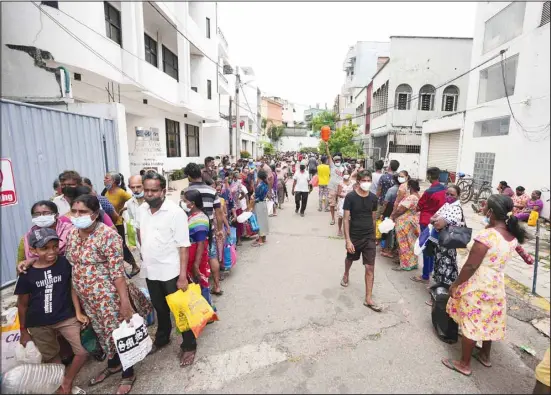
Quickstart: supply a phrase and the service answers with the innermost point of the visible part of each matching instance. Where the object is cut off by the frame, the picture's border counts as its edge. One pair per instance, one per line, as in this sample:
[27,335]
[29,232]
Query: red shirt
[432,199]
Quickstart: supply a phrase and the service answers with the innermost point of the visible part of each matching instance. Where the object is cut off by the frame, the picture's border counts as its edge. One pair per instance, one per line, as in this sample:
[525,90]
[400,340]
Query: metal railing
[222,77]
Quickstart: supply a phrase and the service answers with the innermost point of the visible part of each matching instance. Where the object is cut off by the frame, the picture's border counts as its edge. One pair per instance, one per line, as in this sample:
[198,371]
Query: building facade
[159,60]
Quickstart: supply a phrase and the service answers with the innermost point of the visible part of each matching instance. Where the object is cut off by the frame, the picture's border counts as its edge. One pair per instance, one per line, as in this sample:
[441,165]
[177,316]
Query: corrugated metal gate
[41,143]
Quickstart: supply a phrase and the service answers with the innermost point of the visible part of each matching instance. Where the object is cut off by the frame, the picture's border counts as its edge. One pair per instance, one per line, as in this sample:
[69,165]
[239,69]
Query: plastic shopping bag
[132,341]
[28,353]
[270,207]
[191,310]
[254,223]
[233,234]
[386,226]
[533,218]
[130,234]
[233,252]
[150,317]
[227,256]
[10,338]
[35,378]
[315,181]
[378,234]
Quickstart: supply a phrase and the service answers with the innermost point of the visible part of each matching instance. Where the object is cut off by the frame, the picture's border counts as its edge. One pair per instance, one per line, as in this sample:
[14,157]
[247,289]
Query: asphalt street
[287,326]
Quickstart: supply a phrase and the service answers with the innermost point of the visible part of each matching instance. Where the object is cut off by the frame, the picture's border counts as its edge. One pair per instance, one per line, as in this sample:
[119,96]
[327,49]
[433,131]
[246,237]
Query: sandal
[374,307]
[105,373]
[429,303]
[332,222]
[256,244]
[398,269]
[217,293]
[129,382]
[450,365]
[187,358]
[476,355]
[418,279]
[344,283]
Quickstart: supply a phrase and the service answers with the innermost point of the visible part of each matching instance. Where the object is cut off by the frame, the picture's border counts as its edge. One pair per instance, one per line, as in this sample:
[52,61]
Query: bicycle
[467,185]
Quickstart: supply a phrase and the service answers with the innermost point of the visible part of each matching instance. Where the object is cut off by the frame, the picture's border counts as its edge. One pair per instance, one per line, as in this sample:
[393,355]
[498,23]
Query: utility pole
[231,125]
[237,120]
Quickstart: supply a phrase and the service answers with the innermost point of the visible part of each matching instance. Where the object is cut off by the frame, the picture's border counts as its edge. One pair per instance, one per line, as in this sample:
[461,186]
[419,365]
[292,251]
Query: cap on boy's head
[40,237]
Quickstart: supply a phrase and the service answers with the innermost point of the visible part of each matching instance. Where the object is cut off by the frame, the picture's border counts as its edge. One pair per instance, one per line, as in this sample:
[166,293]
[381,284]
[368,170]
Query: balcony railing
[222,77]
[222,37]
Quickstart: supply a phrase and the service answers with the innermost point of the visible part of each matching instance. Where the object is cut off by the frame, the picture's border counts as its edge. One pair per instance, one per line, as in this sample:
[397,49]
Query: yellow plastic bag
[533,218]
[377,231]
[191,310]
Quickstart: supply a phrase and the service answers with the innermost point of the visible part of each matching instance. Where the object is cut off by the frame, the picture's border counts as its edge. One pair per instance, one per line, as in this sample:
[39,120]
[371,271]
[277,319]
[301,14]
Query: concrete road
[287,326]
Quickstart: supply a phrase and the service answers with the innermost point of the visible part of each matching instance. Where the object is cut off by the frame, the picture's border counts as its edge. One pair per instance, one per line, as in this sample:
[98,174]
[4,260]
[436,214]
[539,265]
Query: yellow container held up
[191,310]
[533,218]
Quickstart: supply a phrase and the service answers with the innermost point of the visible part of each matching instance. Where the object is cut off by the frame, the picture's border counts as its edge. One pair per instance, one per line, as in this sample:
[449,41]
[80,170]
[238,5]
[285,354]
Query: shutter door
[443,148]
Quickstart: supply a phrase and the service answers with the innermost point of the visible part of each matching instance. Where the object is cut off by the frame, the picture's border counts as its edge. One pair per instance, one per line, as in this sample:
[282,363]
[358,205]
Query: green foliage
[341,141]
[268,149]
[178,174]
[324,118]
[245,154]
[264,123]
[275,132]
[309,150]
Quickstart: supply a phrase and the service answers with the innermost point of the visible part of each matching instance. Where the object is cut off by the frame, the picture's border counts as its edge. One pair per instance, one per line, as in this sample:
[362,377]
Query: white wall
[408,162]
[518,160]
[292,143]
[216,140]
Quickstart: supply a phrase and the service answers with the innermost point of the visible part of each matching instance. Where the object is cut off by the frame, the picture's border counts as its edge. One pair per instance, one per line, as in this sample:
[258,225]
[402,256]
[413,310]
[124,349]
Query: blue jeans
[428,262]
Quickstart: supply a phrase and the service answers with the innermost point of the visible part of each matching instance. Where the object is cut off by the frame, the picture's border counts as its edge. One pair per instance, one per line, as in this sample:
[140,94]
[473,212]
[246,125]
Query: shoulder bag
[455,236]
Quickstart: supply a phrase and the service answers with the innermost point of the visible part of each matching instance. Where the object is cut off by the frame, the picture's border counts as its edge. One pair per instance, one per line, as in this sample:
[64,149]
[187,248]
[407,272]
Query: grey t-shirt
[336,176]
[375,177]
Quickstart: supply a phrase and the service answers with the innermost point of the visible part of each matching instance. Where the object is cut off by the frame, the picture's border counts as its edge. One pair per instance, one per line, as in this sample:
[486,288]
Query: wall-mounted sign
[148,151]
[7,183]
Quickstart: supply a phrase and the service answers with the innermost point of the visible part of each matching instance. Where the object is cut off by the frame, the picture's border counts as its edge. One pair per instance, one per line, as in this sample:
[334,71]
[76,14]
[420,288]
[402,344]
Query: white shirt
[302,179]
[63,206]
[243,202]
[131,213]
[162,235]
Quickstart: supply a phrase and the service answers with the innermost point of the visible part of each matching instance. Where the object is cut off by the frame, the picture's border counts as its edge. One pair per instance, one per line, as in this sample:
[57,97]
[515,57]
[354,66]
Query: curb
[523,292]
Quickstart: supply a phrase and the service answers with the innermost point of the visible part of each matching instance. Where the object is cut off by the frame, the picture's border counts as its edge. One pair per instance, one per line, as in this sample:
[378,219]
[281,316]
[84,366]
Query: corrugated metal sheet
[41,143]
[443,150]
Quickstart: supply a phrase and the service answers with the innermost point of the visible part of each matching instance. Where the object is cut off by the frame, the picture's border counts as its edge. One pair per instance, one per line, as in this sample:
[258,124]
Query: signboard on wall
[7,183]
[148,151]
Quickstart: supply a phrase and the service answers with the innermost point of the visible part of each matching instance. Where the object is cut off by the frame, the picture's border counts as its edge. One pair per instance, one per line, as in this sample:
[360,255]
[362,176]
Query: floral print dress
[407,232]
[97,262]
[479,305]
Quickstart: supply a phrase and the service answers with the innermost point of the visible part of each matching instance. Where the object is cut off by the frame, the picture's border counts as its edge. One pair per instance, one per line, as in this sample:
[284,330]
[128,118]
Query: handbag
[455,236]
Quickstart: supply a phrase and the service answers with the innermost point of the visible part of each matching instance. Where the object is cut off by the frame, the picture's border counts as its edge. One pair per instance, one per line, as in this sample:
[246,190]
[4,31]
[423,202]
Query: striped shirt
[211,201]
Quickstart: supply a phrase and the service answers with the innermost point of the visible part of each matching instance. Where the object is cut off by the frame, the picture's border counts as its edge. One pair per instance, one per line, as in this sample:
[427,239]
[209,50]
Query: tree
[323,118]
[264,123]
[341,141]
[275,132]
[268,149]
[309,150]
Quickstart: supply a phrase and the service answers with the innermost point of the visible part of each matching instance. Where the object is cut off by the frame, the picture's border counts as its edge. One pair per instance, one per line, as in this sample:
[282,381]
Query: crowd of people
[71,263]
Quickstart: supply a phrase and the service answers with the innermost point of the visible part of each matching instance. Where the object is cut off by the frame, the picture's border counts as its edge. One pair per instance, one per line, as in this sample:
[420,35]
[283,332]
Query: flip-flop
[182,364]
[449,364]
[332,222]
[476,355]
[428,303]
[217,293]
[106,373]
[419,280]
[374,307]
[77,391]
[344,283]
[129,382]
[398,269]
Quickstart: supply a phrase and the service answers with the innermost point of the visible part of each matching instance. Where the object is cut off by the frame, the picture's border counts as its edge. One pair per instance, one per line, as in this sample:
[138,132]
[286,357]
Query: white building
[412,87]
[159,60]
[361,62]
[249,111]
[507,138]
[289,114]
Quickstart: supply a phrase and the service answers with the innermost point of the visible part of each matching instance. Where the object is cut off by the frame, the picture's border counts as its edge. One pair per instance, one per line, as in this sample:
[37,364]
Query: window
[194,88]
[504,26]
[192,140]
[150,50]
[483,167]
[492,127]
[449,98]
[170,63]
[544,12]
[54,4]
[208,27]
[209,89]
[112,23]
[251,127]
[491,87]
[426,98]
[403,97]
[172,139]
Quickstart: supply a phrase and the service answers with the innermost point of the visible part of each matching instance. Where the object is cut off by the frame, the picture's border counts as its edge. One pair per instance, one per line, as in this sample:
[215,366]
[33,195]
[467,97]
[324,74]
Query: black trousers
[128,257]
[301,199]
[158,290]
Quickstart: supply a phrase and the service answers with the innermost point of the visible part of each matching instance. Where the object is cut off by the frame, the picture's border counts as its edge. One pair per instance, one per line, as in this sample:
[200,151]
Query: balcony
[223,85]
[222,45]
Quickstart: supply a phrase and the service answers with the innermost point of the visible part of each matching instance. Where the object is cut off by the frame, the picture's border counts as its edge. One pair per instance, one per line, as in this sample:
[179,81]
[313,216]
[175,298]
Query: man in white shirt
[301,188]
[69,180]
[164,238]
[131,206]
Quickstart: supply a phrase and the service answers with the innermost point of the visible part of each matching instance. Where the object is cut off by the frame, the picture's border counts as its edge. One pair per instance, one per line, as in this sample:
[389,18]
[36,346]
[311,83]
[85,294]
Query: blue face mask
[82,222]
[485,221]
[138,195]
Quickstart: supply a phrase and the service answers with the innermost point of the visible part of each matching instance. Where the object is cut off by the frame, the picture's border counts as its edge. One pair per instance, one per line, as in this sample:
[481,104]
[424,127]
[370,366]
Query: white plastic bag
[36,378]
[386,226]
[28,353]
[270,207]
[10,338]
[132,341]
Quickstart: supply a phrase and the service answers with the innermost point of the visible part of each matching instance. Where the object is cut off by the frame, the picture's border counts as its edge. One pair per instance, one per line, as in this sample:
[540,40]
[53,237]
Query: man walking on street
[301,188]
[131,206]
[312,165]
[323,181]
[213,209]
[164,239]
[337,169]
[431,201]
[360,208]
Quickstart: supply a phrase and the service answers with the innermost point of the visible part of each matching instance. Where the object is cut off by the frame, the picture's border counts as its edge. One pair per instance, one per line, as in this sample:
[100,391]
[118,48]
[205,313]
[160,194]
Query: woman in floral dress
[95,251]
[406,218]
[478,300]
[403,190]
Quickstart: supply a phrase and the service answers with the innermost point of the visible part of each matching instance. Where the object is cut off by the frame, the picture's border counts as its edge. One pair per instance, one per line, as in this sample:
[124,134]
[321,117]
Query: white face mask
[365,186]
[184,207]
[44,221]
[82,222]
[346,177]
[401,180]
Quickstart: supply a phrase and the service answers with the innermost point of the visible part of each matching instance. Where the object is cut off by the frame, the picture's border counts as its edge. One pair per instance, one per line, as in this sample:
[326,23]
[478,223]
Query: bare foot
[187,358]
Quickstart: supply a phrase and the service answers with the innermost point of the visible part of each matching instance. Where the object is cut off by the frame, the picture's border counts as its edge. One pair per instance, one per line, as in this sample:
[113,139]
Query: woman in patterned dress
[403,190]
[261,209]
[478,297]
[406,218]
[95,251]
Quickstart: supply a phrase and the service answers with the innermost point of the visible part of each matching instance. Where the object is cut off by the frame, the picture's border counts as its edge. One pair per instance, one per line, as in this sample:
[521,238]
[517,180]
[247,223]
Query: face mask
[44,221]
[69,191]
[485,221]
[365,186]
[302,167]
[155,202]
[138,195]
[337,163]
[184,207]
[346,177]
[450,199]
[108,186]
[401,180]
[82,222]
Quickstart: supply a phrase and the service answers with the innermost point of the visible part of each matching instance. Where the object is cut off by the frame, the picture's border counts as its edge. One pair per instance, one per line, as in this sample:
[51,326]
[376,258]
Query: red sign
[7,183]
